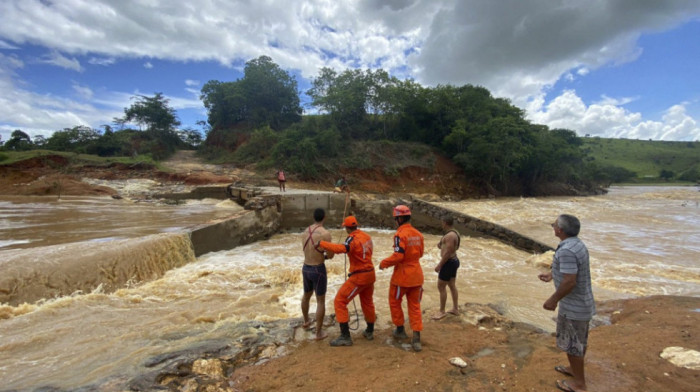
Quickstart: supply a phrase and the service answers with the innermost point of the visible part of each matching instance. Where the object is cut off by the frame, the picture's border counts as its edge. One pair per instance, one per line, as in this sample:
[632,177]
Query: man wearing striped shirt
[572,280]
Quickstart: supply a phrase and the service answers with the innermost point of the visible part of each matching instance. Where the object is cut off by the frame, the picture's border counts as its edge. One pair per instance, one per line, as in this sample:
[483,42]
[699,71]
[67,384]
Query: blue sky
[609,68]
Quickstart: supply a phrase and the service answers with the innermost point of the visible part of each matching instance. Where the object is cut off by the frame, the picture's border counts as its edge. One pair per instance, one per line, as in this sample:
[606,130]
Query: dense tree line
[258,119]
[488,137]
[157,134]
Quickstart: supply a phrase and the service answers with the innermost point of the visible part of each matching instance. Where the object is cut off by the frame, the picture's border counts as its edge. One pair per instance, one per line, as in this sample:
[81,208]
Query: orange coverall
[407,278]
[361,276]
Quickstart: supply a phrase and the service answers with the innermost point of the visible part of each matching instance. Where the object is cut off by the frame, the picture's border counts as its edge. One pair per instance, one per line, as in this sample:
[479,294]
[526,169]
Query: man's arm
[326,236]
[397,256]
[567,284]
[335,248]
[448,249]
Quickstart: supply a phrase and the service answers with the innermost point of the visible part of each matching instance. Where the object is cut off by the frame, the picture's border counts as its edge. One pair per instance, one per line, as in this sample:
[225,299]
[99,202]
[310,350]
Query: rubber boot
[369,332]
[416,341]
[344,339]
[400,333]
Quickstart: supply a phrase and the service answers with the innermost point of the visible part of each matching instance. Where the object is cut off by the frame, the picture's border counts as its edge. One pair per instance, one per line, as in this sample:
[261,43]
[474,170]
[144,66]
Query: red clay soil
[54,175]
[623,356]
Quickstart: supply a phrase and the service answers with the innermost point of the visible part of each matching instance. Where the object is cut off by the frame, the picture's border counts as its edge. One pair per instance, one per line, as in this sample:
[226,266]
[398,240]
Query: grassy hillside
[648,158]
[10,157]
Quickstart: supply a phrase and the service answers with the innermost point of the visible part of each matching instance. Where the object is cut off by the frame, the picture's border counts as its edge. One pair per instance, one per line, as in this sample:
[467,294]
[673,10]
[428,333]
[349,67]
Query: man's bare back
[313,255]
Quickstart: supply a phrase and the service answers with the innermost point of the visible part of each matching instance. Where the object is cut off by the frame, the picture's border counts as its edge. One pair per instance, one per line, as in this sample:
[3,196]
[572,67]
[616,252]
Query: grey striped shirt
[571,257]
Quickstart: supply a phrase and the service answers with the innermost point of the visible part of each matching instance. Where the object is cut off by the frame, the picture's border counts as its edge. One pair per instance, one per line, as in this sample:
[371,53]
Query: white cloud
[42,114]
[105,61]
[608,119]
[517,49]
[190,82]
[84,92]
[6,46]
[59,60]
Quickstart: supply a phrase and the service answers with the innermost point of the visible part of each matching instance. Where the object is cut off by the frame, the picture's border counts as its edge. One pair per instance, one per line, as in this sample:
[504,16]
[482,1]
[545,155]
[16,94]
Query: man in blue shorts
[447,268]
[571,273]
[314,271]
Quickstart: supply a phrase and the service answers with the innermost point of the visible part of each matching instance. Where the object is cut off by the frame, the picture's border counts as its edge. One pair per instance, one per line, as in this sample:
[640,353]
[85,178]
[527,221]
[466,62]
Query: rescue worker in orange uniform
[361,277]
[407,278]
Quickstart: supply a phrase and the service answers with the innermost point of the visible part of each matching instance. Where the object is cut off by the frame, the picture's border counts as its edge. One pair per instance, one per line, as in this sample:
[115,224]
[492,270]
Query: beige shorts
[572,336]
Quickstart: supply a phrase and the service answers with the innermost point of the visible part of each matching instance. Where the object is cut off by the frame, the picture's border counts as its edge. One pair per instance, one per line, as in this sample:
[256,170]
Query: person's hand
[546,277]
[437,268]
[550,304]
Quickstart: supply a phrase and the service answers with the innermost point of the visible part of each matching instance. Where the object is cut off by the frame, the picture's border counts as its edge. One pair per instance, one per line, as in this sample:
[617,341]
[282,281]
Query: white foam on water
[642,242]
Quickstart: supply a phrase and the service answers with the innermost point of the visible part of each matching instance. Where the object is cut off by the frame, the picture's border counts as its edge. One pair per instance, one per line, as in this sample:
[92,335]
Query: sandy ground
[501,356]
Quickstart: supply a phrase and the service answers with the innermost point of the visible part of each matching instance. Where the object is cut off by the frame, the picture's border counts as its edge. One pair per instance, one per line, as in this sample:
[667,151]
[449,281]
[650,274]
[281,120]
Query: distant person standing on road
[314,271]
[281,179]
[572,279]
[407,278]
[447,267]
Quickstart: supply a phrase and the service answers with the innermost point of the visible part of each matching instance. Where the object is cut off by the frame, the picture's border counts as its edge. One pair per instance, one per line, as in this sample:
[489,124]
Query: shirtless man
[314,271]
[447,267]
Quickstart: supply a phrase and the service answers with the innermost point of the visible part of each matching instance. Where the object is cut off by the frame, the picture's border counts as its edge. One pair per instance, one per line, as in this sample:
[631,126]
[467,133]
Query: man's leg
[395,297]
[320,314]
[415,316]
[452,284]
[572,338]
[441,286]
[367,304]
[579,380]
[344,295]
[413,298]
[305,299]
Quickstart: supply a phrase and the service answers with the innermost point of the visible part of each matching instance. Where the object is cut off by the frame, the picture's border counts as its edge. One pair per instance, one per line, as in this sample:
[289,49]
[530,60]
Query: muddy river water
[642,241]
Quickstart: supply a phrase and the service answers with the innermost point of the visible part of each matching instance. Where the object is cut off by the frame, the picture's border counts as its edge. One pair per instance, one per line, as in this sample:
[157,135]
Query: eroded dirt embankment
[624,355]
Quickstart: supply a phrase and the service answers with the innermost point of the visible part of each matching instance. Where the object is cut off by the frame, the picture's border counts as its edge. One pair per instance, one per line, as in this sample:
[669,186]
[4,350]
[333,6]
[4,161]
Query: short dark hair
[448,219]
[319,214]
[569,224]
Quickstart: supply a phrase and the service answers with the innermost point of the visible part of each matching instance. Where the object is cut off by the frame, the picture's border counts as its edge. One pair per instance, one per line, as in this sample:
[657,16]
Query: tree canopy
[265,96]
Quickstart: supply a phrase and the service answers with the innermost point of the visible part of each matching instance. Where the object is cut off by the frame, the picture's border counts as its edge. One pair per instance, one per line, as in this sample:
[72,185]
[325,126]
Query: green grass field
[648,158]
[9,157]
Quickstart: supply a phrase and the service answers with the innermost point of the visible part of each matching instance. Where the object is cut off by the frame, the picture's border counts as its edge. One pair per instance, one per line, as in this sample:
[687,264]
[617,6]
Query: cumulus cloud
[147,65]
[517,49]
[608,119]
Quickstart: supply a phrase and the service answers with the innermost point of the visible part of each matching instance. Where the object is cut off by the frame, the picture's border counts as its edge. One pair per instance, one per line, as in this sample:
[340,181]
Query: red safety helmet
[350,221]
[401,210]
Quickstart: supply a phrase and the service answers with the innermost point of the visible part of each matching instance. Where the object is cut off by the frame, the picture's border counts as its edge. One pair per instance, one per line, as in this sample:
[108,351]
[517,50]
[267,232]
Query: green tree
[345,96]
[78,139]
[19,141]
[266,95]
[39,141]
[154,113]
[666,174]
[271,94]
[151,112]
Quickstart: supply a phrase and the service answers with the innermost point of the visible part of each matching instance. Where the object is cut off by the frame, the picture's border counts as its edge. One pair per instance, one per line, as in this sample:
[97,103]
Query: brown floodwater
[642,241]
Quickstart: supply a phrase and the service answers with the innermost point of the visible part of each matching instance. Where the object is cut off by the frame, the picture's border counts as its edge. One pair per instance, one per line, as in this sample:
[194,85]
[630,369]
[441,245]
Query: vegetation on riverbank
[647,161]
[371,122]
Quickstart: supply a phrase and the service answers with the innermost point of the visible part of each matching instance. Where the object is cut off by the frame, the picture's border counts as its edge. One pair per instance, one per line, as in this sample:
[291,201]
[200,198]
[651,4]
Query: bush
[691,175]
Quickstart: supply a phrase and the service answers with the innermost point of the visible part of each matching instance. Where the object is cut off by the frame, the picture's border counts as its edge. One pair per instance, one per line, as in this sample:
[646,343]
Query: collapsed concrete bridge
[265,213]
